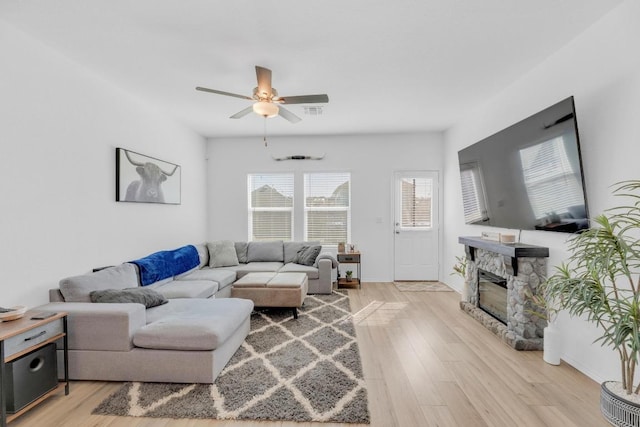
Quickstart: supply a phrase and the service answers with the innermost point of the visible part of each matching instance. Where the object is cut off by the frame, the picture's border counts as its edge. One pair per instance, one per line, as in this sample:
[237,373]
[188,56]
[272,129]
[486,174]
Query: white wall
[371,160]
[59,126]
[601,68]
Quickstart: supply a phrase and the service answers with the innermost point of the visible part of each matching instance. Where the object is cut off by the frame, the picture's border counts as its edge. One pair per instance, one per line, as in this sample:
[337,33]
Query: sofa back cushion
[78,288]
[291,249]
[241,252]
[265,251]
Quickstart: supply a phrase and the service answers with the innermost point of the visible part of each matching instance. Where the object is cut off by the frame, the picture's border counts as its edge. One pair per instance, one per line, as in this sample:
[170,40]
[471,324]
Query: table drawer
[32,337]
[348,257]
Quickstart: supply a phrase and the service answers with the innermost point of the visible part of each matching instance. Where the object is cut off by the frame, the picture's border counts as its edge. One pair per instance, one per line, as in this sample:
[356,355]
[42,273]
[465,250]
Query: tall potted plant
[601,281]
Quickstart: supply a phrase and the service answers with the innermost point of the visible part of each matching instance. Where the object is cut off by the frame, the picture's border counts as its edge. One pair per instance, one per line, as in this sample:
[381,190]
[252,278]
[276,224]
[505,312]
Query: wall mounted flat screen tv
[527,176]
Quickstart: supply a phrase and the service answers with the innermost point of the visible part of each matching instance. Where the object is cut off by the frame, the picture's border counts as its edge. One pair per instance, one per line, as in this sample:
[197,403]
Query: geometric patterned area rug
[307,369]
[422,287]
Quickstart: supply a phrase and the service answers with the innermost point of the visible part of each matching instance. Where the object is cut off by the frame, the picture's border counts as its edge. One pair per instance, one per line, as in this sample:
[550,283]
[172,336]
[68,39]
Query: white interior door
[416,226]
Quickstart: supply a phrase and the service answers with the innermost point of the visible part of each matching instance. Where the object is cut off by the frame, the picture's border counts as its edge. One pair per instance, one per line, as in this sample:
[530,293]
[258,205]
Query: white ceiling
[388,66]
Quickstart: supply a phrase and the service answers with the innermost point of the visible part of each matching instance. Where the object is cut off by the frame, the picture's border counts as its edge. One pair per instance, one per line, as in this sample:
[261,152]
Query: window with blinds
[473,199]
[327,207]
[415,202]
[270,206]
[551,183]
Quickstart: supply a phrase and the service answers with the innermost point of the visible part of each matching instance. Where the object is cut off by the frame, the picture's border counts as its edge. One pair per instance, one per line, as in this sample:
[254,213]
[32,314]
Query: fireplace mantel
[511,250]
[514,250]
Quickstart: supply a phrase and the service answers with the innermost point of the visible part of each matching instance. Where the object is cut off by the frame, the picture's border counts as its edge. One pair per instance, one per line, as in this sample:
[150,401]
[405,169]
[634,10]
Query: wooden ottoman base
[273,289]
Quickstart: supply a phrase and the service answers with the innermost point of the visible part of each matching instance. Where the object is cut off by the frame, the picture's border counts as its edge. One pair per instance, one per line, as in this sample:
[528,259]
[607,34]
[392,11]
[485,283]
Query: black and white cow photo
[144,179]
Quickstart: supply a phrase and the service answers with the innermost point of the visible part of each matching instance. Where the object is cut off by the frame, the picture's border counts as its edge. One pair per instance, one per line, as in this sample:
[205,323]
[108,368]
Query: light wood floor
[426,363]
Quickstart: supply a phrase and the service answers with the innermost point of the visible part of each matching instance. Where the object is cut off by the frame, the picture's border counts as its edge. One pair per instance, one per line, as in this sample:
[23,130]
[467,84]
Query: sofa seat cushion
[253,267]
[312,272]
[78,288]
[196,324]
[187,289]
[223,276]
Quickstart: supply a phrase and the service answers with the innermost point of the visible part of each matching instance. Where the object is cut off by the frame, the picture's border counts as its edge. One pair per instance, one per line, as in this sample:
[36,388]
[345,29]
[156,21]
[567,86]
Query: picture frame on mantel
[144,179]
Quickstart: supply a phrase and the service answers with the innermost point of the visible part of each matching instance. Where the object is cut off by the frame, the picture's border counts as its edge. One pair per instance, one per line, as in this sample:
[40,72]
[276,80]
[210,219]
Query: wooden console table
[22,337]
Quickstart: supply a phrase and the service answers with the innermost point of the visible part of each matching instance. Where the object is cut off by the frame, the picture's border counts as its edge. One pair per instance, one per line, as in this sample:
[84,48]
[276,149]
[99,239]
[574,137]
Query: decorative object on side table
[601,282]
[13,313]
[349,274]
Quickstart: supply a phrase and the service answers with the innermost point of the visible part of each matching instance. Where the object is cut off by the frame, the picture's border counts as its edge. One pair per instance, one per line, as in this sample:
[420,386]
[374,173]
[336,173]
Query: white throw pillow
[222,253]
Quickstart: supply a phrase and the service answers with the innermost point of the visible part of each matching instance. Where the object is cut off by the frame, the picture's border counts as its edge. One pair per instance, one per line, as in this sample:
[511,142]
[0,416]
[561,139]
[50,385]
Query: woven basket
[618,411]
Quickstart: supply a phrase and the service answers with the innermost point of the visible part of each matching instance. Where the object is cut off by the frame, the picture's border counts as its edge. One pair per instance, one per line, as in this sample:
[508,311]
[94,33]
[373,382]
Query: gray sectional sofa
[196,328]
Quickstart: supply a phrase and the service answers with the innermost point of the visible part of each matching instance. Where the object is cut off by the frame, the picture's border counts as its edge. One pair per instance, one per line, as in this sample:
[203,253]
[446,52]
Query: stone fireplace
[499,277]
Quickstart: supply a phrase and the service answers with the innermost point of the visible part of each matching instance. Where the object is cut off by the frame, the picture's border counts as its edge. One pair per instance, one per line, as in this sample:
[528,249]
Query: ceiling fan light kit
[267,100]
[266,109]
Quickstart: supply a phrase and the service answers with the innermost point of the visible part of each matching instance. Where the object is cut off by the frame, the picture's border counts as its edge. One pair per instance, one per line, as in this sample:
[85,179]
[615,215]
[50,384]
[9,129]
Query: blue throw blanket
[163,264]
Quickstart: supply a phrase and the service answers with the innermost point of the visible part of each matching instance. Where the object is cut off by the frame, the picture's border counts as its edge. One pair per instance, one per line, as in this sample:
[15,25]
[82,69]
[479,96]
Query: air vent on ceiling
[313,110]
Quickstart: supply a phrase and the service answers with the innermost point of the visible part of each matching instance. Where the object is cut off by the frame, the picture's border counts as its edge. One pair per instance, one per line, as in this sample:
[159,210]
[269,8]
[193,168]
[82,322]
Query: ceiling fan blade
[220,92]
[242,113]
[303,99]
[288,115]
[264,81]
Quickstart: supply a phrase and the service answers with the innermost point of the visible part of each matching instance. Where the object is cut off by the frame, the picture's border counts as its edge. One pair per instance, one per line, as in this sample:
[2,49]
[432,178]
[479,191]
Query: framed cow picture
[144,179]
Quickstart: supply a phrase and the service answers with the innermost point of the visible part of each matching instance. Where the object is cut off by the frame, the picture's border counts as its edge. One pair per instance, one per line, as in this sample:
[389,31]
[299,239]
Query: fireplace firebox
[492,295]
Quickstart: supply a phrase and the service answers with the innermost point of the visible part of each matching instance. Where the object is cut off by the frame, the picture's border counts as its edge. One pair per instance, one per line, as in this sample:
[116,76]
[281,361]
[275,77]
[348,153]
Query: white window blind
[550,181]
[327,207]
[416,197]
[473,200]
[270,206]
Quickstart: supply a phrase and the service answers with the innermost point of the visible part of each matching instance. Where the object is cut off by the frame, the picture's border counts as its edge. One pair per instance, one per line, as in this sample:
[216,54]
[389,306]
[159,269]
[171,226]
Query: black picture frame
[144,179]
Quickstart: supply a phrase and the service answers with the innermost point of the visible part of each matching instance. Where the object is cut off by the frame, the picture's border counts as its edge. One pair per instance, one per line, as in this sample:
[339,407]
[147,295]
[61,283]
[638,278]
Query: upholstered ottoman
[273,289]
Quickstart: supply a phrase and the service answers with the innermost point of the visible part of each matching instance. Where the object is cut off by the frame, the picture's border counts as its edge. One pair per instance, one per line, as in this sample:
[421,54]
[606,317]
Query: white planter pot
[552,345]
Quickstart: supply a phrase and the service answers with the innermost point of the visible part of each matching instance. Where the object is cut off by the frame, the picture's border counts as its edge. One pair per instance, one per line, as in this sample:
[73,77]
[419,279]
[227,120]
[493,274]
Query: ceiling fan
[268,103]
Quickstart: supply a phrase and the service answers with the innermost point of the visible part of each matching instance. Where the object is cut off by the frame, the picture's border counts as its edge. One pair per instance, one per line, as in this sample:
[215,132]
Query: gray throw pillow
[291,249]
[307,255]
[145,296]
[222,254]
[241,251]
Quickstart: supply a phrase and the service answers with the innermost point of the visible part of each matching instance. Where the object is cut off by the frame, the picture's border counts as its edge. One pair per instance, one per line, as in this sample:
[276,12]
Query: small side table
[350,258]
[25,336]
